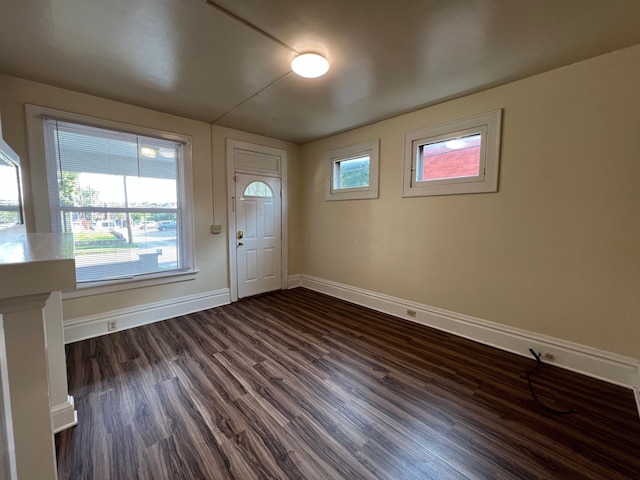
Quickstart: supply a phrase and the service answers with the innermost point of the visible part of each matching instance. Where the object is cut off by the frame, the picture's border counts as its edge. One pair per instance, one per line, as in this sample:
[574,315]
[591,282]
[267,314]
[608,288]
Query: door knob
[240,244]
[240,234]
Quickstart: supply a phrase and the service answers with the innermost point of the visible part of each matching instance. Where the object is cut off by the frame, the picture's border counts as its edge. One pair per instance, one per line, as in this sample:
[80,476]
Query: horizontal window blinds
[112,190]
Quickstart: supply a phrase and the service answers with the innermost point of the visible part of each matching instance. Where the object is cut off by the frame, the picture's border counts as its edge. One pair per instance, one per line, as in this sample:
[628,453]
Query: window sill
[351,194]
[98,288]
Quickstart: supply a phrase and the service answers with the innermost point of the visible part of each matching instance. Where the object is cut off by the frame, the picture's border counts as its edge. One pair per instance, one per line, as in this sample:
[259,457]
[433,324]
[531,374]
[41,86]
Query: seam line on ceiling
[264,34]
[250,25]
[251,97]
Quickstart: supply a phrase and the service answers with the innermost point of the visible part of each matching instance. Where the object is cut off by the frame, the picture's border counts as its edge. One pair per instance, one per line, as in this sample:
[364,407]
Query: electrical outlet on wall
[112,325]
[411,313]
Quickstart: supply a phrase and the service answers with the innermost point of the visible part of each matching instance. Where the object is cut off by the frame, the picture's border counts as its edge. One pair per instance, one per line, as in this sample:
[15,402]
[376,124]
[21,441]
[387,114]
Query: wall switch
[216,229]
[112,325]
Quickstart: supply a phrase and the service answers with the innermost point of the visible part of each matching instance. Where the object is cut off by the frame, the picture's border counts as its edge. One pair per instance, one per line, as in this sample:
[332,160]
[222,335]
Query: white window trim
[370,149]
[488,124]
[38,169]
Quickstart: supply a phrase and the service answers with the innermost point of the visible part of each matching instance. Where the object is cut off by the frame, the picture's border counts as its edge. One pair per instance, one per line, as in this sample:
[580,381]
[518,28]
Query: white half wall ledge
[97,325]
[599,364]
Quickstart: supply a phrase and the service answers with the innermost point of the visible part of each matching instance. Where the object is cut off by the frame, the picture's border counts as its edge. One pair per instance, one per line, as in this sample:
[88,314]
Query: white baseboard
[96,325]
[294,281]
[610,367]
[64,415]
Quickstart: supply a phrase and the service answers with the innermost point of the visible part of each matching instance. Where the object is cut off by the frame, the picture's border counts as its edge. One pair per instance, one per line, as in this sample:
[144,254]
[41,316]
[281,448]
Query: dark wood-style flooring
[298,385]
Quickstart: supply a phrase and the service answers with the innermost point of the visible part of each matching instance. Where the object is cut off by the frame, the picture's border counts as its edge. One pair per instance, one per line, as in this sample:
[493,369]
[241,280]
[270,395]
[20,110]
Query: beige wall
[208,155]
[555,251]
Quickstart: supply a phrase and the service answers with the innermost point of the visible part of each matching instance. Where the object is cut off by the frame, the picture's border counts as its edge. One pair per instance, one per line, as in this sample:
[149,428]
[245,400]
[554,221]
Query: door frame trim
[233,145]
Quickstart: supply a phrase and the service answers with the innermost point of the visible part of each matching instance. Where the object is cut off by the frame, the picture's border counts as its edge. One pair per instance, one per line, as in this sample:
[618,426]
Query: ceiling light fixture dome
[310,65]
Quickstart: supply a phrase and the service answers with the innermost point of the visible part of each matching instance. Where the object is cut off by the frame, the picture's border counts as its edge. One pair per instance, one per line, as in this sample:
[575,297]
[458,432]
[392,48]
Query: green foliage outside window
[354,173]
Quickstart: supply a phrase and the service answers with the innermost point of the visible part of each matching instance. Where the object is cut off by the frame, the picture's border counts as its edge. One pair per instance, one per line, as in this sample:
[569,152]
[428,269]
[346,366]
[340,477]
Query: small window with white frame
[352,172]
[453,158]
[123,192]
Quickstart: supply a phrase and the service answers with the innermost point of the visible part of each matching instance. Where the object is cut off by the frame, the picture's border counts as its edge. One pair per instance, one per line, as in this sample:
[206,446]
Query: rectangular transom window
[453,158]
[353,172]
[122,196]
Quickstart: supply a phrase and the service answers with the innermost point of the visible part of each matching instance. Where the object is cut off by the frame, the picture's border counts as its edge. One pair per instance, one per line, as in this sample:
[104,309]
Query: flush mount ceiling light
[310,65]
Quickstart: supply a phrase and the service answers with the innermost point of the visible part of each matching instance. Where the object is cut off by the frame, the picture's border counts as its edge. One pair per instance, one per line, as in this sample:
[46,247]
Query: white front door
[258,234]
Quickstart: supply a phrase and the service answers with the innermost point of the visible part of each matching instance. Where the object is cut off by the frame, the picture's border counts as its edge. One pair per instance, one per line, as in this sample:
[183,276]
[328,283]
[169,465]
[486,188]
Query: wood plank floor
[297,385]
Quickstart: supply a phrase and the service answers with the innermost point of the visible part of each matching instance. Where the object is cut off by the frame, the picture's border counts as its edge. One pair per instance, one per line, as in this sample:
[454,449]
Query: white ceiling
[387,57]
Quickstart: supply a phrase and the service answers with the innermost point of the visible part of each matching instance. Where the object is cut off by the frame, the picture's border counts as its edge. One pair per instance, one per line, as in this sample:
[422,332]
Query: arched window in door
[258,189]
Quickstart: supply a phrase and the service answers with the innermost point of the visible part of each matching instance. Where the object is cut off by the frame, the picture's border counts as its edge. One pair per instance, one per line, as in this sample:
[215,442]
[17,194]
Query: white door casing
[258,234]
[264,164]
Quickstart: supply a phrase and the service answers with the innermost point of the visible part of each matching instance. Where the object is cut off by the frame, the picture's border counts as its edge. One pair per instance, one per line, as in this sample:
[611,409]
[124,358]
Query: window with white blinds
[122,196]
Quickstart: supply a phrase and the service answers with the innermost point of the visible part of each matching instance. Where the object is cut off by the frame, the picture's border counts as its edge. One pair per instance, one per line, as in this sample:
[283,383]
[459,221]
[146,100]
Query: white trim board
[610,367]
[96,325]
[64,415]
[295,281]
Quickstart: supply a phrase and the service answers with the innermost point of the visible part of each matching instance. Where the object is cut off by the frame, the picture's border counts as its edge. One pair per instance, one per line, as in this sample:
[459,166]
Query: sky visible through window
[9,195]
[8,184]
[140,190]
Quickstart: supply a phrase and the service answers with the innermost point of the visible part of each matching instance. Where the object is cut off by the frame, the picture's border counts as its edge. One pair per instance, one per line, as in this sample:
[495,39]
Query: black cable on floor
[533,393]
